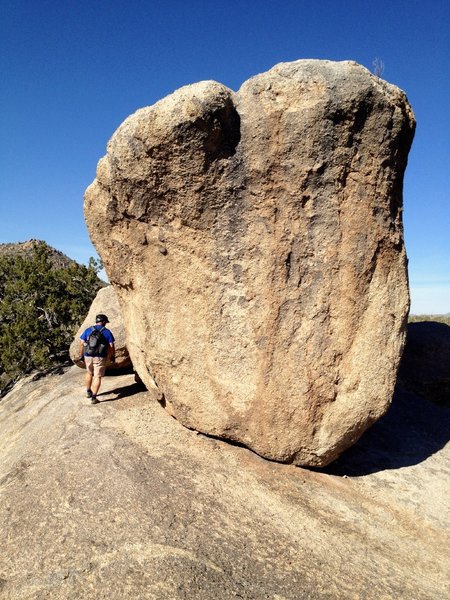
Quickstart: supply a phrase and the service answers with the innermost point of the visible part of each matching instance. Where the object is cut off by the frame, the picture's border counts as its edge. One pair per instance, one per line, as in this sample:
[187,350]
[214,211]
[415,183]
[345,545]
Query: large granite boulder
[255,241]
[105,302]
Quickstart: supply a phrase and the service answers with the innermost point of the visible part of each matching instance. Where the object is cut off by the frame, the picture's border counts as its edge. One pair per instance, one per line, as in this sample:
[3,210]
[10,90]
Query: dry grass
[437,318]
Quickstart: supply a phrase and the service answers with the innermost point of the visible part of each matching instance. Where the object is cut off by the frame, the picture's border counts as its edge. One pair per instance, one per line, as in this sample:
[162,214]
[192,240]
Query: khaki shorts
[95,365]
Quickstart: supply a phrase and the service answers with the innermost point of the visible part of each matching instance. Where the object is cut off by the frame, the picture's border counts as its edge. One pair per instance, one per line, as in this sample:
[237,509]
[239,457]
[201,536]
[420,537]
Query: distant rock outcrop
[105,302]
[25,249]
[255,241]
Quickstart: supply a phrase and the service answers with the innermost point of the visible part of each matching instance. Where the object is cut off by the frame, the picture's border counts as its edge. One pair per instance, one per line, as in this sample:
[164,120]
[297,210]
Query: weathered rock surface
[105,302]
[255,240]
[118,501]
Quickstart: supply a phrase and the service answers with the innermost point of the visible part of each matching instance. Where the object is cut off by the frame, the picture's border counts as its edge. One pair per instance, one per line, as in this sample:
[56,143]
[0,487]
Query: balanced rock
[105,302]
[255,241]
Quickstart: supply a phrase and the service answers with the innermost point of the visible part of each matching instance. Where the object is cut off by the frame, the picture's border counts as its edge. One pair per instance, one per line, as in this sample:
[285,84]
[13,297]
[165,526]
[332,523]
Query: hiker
[96,347]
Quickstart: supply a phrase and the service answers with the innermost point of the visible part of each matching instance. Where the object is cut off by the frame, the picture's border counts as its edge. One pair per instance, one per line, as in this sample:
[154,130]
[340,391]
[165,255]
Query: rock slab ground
[118,501]
[255,241]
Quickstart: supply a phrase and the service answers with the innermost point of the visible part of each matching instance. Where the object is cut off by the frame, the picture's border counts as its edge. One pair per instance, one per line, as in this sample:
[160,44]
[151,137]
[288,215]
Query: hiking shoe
[88,394]
[94,400]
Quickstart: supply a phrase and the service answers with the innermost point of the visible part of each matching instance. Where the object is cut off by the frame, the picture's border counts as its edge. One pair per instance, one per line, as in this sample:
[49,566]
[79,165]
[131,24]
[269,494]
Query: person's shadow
[417,424]
[122,392]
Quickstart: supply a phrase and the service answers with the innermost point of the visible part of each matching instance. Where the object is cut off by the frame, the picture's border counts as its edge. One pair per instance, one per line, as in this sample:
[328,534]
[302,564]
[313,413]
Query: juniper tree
[41,306]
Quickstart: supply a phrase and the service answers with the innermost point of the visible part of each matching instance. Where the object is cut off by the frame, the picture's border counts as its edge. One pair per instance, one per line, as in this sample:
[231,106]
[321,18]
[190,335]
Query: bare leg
[88,380]
[96,383]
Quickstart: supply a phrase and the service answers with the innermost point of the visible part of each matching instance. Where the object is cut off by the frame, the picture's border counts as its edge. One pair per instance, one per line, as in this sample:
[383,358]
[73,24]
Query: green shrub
[41,307]
[438,318]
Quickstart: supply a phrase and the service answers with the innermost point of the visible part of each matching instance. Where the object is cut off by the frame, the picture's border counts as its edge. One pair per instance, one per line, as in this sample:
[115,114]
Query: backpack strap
[101,329]
[89,334]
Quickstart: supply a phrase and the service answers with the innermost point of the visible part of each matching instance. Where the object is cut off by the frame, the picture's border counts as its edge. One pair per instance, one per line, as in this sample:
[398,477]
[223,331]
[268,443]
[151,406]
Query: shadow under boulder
[425,366]
[411,431]
[418,422]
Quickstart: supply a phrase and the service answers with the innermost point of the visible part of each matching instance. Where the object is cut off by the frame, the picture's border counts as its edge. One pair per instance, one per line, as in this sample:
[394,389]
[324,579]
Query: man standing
[96,348]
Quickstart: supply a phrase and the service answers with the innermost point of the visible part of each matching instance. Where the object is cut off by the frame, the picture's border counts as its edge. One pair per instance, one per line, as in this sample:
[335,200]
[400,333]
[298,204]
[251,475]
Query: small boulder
[105,302]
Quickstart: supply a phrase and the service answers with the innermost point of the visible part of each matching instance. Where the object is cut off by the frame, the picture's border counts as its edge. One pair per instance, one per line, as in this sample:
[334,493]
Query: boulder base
[255,241]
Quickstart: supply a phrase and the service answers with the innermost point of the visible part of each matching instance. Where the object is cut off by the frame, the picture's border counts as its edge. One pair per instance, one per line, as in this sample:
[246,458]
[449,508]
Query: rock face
[255,241]
[105,302]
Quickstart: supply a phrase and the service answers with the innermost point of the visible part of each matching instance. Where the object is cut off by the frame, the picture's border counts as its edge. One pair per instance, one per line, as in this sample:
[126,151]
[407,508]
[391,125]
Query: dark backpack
[96,343]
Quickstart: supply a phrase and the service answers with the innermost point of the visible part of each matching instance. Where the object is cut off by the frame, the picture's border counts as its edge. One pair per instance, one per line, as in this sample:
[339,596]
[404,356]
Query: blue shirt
[105,333]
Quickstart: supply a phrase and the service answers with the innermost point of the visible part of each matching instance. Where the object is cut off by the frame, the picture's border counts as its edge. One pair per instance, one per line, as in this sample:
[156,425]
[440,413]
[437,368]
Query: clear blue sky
[72,71]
